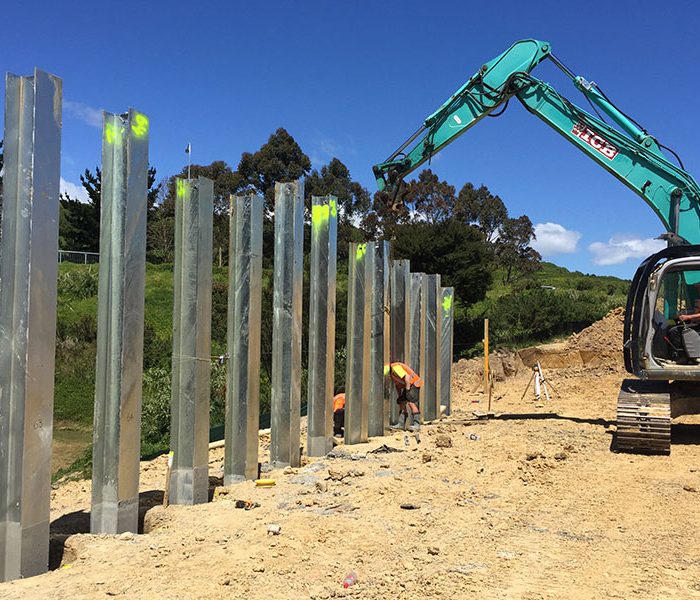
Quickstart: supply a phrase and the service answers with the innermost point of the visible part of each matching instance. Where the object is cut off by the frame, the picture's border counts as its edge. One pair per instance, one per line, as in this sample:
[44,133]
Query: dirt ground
[529,505]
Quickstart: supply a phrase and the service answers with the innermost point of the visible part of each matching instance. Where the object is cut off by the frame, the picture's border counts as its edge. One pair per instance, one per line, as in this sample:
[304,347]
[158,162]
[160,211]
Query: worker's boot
[401,424]
[414,422]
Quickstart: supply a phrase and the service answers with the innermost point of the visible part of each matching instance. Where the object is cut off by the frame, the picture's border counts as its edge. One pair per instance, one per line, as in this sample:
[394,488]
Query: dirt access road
[536,507]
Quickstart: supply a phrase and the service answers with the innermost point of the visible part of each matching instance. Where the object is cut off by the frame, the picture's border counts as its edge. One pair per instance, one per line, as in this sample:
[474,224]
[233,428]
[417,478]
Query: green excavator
[661,345]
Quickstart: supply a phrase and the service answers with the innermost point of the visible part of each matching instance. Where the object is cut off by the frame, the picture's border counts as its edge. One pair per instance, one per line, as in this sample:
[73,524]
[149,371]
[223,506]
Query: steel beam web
[324,227]
[379,341]
[117,422]
[446,310]
[191,360]
[243,339]
[360,273]
[286,324]
[28,269]
[400,322]
[416,355]
[430,394]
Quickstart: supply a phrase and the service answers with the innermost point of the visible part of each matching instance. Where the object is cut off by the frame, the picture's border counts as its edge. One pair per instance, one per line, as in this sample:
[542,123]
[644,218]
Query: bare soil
[529,505]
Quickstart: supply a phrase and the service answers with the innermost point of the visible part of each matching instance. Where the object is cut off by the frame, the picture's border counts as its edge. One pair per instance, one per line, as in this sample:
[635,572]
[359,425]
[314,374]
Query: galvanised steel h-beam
[360,275]
[28,264]
[117,422]
[446,325]
[379,341]
[191,367]
[400,322]
[430,394]
[243,338]
[288,276]
[416,355]
[324,235]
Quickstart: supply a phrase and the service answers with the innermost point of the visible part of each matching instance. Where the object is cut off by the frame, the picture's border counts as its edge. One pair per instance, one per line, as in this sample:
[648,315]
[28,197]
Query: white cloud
[552,238]
[620,248]
[75,191]
[87,114]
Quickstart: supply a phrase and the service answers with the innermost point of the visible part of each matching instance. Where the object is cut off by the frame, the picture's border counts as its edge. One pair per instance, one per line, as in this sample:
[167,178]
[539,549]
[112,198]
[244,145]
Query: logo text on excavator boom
[593,139]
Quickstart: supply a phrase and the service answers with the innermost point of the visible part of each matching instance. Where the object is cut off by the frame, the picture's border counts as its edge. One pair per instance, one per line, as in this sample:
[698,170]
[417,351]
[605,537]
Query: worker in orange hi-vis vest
[408,384]
[338,414]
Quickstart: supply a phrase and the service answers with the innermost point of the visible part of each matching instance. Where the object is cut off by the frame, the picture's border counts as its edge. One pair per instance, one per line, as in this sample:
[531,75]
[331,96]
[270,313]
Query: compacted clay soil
[531,504]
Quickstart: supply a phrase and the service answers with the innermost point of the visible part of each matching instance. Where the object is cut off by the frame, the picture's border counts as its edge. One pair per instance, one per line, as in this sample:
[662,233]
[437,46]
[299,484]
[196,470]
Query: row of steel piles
[28,262]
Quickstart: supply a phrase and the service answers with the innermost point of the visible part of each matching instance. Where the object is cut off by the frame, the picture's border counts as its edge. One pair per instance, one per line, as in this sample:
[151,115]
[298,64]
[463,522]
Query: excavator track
[644,417]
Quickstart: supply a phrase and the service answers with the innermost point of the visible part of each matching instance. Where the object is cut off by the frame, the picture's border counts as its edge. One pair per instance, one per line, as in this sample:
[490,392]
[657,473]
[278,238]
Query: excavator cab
[661,348]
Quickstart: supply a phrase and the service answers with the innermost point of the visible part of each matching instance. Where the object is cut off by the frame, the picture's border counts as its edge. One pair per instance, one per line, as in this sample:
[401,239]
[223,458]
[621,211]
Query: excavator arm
[626,151]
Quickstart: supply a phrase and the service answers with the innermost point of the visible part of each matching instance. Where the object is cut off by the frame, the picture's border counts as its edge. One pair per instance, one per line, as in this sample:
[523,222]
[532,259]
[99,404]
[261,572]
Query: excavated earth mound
[596,348]
[599,345]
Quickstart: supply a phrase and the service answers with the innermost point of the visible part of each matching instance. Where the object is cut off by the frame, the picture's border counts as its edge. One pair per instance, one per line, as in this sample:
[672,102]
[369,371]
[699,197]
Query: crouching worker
[338,414]
[408,384]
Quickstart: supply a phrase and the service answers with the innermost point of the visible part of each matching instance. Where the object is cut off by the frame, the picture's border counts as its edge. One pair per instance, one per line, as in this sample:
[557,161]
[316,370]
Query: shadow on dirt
[79,522]
[685,434]
[546,416]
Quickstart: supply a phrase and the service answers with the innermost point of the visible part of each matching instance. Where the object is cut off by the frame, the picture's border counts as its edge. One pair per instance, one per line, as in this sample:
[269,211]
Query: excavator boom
[659,347]
[623,148]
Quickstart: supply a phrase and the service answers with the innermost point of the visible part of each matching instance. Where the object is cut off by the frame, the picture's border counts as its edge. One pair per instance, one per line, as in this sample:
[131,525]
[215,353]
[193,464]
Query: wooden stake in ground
[486,356]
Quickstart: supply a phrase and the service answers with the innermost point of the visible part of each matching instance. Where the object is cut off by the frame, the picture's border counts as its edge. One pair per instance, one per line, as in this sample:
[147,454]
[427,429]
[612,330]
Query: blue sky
[354,79]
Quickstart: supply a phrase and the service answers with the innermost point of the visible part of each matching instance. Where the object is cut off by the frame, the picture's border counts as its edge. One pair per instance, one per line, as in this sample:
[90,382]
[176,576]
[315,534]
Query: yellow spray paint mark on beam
[320,213]
[139,125]
[360,252]
[113,133]
[180,188]
[447,303]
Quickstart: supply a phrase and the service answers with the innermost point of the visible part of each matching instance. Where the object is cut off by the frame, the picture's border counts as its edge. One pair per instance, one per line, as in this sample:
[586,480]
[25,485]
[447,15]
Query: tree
[161,224]
[353,199]
[430,199]
[513,248]
[279,160]
[334,178]
[79,224]
[457,251]
[478,206]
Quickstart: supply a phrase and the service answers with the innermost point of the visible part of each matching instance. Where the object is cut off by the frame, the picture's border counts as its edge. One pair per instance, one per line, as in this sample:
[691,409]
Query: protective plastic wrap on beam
[446,325]
[400,322]
[324,226]
[191,367]
[430,394]
[28,263]
[120,304]
[360,273]
[379,341]
[243,339]
[286,325]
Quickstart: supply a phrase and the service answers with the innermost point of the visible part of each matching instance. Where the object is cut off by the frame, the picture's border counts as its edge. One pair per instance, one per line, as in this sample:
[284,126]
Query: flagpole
[189,159]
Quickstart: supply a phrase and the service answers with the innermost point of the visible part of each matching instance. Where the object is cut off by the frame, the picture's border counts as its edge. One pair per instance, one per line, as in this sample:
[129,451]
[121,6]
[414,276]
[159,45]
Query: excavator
[661,343]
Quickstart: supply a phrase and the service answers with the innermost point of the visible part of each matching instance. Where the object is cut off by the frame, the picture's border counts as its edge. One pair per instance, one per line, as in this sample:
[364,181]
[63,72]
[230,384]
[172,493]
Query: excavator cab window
[676,334]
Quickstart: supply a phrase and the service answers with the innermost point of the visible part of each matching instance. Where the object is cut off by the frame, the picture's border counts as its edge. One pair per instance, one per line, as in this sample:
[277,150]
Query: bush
[78,283]
[155,409]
